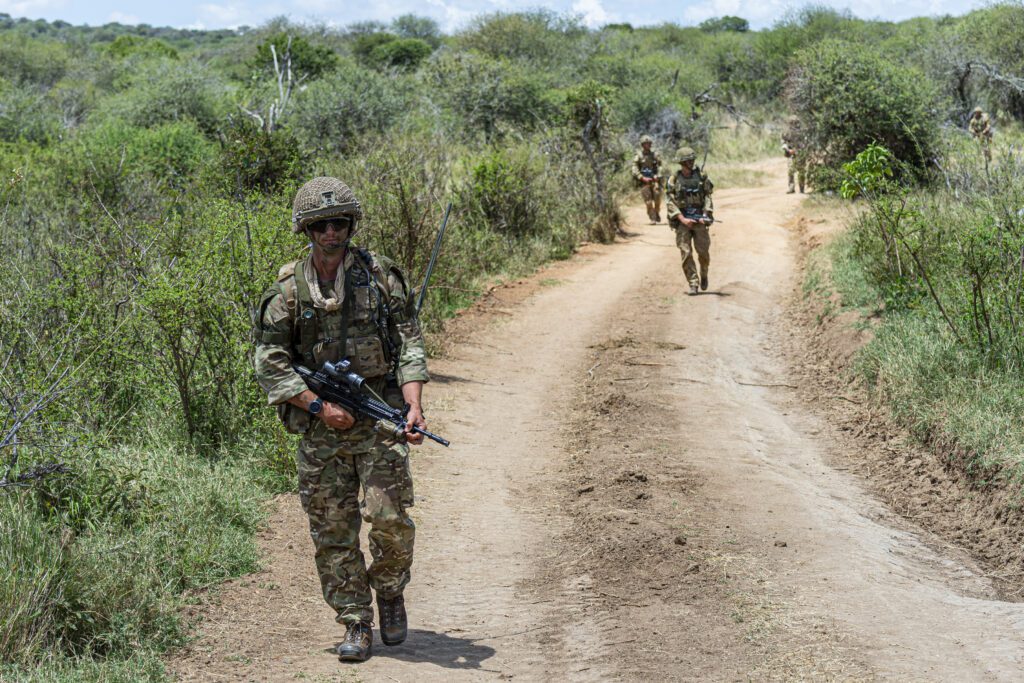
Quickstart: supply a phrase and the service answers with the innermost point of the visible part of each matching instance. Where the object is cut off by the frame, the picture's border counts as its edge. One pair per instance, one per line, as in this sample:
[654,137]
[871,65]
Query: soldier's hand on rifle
[414,418]
[336,417]
[412,392]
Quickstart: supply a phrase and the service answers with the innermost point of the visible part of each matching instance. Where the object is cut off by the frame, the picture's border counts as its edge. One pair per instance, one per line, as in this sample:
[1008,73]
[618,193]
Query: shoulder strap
[375,265]
[307,322]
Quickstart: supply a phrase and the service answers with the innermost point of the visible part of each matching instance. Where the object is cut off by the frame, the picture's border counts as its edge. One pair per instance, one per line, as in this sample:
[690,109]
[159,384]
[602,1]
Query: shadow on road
[436,648]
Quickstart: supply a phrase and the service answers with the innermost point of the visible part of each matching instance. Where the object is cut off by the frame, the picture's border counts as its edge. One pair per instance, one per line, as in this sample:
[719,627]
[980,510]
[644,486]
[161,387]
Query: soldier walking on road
[690,214]
[346,302]
[981,129]
[791,147]
[647,176]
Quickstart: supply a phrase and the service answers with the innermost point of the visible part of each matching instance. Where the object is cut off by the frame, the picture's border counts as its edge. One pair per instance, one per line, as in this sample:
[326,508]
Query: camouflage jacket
[693,192]
[649,160]
[980,127]
[790,142]
[375,327]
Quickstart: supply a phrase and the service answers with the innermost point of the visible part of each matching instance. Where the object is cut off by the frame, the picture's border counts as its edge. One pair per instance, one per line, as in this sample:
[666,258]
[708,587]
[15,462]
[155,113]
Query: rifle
[433,259]
[695,214]
[337,383]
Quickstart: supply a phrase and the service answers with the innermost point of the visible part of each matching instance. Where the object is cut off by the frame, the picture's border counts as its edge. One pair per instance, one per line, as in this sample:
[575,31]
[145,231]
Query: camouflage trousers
[689,239]
[651,194]
[796,170]
[333,466]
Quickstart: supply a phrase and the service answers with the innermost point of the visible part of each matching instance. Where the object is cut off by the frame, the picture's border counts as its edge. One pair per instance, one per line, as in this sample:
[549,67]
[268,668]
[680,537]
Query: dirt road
[636,490]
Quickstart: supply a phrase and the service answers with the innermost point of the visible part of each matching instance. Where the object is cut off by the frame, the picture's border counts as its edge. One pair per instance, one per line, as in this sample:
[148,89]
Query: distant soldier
[791,143]
[690,212]
[981,129]
[647,175]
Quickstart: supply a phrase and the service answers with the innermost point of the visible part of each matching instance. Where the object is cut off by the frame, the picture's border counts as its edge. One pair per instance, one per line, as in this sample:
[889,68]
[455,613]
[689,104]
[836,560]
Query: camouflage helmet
[793,119]
[324,197]
[646,139]
[685,154]
[977,110]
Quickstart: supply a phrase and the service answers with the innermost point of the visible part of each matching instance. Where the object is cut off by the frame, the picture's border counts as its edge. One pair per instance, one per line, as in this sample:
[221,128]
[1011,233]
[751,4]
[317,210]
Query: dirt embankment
[926,485]
[642,485]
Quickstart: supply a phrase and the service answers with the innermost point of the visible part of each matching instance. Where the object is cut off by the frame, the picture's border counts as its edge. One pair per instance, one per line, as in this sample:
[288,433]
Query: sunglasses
[338,224]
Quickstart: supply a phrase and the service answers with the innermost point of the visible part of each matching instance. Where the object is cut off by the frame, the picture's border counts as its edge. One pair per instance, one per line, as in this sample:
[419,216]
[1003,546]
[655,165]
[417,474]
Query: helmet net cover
[324,197]
[685,154]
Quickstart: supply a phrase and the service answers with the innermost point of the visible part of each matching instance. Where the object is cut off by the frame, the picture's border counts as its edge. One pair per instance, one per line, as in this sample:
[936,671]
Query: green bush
[162,91]
[848,97]
[423,28]
[333,114]
[364,45]
[541,36]
[993,36]
[403,53]
[25,116]
[131,46]
[253,159]
[489,96]
[308,60]
[725,23]
[42,62]
[503,187]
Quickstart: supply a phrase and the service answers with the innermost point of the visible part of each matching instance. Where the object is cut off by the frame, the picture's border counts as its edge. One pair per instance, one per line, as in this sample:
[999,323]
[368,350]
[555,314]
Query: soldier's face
[646,146]
[330,235]
[687,166]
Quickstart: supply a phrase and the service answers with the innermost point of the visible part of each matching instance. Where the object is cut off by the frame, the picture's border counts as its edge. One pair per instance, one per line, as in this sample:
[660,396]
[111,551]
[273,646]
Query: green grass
[743,143]
[947,396]
[99,561]
[944,392]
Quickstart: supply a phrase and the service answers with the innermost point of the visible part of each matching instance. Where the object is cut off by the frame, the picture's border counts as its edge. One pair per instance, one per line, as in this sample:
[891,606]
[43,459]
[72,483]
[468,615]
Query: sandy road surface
[634,491]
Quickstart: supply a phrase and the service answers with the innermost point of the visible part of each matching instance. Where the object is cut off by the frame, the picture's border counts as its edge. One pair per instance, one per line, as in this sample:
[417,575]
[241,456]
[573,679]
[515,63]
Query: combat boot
[357,644]
[693,290]
[393,623]
[704,282]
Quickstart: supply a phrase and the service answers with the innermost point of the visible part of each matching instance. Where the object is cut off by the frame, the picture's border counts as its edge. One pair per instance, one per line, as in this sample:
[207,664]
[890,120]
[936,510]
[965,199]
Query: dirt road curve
[635,491]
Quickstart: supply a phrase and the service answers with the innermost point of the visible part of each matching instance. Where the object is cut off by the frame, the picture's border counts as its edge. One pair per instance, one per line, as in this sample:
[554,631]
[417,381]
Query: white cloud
[31,8]
[234,14]
[122,18]
[759,12]
[593,12]
[453,17]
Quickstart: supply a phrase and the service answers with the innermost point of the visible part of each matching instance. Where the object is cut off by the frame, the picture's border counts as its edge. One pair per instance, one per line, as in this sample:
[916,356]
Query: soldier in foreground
[791,148]
[690,214]
[647,176]
[345,302]
[981,129]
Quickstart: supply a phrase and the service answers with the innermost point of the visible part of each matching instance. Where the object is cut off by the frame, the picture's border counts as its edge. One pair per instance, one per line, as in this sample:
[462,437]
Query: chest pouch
[367,356]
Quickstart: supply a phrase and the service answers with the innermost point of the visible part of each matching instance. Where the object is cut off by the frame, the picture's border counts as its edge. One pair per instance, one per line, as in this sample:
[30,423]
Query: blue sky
[451,14]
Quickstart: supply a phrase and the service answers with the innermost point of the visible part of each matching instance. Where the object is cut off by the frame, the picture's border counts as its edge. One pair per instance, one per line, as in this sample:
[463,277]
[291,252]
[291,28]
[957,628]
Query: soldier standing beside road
[981,129]
[791,145]
[690,214]
[647,175]
[345,302]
